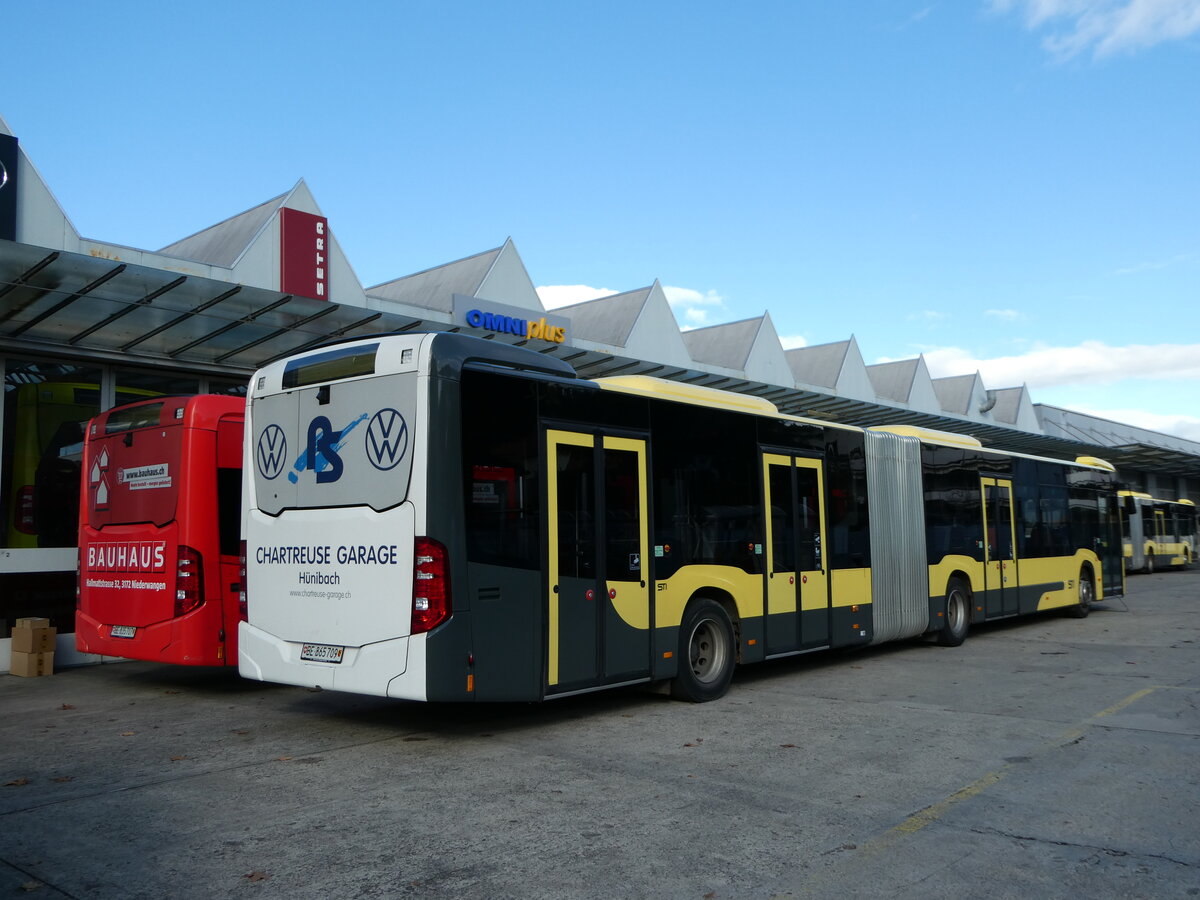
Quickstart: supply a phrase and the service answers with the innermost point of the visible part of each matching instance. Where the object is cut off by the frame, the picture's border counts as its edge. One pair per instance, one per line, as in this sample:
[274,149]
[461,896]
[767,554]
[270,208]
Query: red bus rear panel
[158,532]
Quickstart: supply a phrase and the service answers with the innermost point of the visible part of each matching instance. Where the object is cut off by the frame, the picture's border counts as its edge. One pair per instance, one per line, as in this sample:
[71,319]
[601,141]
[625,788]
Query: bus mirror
[1130,506]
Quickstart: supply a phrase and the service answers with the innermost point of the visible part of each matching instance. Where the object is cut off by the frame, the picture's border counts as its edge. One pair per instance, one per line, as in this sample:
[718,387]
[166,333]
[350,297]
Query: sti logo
[272,452]
[387,439]
[322,452]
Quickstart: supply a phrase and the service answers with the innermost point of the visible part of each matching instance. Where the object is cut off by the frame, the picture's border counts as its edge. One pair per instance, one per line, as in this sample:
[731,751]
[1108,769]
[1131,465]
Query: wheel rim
[956,611]
[707,650]
[1087,592]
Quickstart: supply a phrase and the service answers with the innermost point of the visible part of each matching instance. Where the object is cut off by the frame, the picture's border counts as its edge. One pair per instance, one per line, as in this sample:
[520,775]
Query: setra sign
[303,254]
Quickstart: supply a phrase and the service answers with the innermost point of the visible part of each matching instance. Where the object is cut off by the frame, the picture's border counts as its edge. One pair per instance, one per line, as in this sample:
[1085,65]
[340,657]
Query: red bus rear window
[128,418]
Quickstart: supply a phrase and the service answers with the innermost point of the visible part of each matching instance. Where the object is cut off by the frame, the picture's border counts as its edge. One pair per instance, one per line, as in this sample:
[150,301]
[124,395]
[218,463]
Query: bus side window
[501,495]
[229,486]
[229,510]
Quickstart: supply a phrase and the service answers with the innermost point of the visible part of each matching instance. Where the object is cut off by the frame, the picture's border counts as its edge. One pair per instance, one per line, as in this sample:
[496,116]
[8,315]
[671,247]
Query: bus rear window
[348,362]
[131,417]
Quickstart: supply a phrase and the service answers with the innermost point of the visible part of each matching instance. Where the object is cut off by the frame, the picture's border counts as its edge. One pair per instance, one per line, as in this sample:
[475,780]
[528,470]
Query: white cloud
[792,341]
[681,296]
[1089,363]
[1105,27]
[556,295]
[1155,265]
[1007,315]
[692,306]
[926,315]
[693,309]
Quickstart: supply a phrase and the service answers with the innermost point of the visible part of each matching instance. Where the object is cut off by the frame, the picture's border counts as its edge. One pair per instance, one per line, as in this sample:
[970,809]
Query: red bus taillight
[243,608]
[24,517]
[431,585]
[189,580]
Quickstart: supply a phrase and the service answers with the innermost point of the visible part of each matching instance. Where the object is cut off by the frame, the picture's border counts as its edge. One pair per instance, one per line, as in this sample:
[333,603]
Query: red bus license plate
[122,631]
[321,653]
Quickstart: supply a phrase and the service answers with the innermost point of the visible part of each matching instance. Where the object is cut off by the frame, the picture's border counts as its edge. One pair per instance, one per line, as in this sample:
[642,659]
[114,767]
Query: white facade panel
[508,282]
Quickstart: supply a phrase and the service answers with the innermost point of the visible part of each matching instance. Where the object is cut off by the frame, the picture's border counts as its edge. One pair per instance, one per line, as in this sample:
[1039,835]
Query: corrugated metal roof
[726,345]
[1008,403]
[894,380]
[819,365]
[606,320]
[223,243]
[954,393]
[435,288]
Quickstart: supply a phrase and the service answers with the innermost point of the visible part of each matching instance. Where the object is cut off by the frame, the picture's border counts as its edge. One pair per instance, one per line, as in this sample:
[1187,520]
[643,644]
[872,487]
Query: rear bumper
[383,669]
[188,641]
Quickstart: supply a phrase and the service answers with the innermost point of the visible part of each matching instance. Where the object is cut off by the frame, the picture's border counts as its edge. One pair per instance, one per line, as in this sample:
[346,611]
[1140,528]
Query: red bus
[159,521]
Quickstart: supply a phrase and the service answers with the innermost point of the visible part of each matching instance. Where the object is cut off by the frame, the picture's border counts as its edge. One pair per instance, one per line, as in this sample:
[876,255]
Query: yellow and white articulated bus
[438,517]
[1156,533]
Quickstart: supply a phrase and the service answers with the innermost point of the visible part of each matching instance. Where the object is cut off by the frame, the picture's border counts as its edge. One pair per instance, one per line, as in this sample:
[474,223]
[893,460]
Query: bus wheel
[1149,567]
[706,653]
[958,614]
[1087,594]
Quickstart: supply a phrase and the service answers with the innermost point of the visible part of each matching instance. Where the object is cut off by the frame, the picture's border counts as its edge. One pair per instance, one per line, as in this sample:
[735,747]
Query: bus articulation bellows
[437,517]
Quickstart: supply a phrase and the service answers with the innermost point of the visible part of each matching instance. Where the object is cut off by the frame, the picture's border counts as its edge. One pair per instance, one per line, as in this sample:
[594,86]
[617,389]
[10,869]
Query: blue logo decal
[323,445]
[320,456]
[387,439]
[272,451]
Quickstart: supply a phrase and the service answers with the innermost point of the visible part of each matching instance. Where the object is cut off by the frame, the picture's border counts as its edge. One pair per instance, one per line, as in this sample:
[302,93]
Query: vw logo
[272,452]
[387,439]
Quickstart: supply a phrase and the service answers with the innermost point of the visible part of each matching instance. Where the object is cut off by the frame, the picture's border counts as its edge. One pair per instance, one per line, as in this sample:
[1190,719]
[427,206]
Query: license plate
[122,631]
[321,653]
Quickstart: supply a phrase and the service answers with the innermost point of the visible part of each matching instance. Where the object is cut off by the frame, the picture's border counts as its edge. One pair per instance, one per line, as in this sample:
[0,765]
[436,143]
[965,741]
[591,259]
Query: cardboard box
[33,635]
[30,665]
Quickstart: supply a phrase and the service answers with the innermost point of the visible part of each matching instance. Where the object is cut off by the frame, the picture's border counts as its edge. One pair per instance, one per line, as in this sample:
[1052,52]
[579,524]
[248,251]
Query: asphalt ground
[1046,757]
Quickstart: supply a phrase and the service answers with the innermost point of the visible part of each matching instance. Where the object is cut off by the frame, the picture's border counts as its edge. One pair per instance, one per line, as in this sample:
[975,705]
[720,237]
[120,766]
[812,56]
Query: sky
[1003,186]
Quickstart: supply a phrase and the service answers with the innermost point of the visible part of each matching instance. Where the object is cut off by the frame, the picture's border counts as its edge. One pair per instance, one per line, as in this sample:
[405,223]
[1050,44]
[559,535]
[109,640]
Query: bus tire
[1087,595]
[706,652]
[1149,567]
[958,614]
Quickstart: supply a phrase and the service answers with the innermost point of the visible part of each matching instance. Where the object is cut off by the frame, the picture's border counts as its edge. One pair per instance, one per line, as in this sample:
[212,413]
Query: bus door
[598,588]
[797,573]
[1000,556]
[230,431]
[1160,536]
[1109,545]
[1132,531]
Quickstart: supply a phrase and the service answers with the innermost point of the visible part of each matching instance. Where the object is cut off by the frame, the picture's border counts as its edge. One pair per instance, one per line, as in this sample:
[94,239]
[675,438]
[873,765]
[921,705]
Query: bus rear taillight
[24,514]
[431,585]
[243,607]
[189,580]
